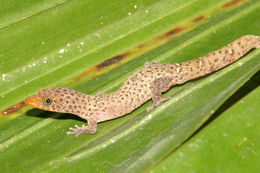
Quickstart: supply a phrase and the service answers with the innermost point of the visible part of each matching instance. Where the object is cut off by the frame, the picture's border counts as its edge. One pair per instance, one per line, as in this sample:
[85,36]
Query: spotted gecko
[147,83]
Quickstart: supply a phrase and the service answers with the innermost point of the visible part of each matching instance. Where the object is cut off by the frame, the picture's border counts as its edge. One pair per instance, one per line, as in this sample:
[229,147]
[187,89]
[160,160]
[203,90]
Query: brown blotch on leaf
[198,19]
[111,61]
[12,109]
[93,69]
[141,46]
[230,3]
[173,31]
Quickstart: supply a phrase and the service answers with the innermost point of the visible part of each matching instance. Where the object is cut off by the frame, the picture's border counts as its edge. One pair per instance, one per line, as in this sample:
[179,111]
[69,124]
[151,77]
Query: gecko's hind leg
[158,86]
[91,128]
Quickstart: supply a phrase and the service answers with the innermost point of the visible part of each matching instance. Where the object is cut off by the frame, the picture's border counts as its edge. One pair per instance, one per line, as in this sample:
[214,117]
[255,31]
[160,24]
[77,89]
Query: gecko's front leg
[91,128]
[158,86]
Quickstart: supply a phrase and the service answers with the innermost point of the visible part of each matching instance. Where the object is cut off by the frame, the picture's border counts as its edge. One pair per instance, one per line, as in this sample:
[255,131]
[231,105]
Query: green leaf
[93,46]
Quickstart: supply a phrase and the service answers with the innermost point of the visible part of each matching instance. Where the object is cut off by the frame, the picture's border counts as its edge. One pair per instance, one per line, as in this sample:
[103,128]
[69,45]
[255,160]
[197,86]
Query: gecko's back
[141,85]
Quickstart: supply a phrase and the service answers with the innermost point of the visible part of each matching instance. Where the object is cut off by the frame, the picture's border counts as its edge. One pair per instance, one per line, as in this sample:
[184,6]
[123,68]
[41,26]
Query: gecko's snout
[28,101]
[33,101]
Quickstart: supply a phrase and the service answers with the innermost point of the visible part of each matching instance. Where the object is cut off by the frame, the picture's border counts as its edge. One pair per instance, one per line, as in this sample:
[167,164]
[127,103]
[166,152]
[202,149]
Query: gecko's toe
[75,131]
[79,130]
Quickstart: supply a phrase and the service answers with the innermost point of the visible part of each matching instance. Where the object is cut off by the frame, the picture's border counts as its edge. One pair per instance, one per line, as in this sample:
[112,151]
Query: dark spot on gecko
[61,99]
[212,68]
[111,61]
[230,3]
[12,109]
[226,51]
[197,19]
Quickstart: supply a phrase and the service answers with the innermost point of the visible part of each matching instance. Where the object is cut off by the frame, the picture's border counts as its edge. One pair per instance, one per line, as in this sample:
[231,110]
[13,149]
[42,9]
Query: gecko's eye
[47,101]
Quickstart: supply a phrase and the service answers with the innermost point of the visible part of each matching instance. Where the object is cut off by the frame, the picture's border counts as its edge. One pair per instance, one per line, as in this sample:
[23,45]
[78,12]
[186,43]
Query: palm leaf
[93,46]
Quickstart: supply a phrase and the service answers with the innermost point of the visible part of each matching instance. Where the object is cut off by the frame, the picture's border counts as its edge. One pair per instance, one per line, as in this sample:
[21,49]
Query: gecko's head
[54,99]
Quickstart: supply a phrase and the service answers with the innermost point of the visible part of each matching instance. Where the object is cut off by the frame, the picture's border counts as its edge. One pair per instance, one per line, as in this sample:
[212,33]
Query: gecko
[146,83]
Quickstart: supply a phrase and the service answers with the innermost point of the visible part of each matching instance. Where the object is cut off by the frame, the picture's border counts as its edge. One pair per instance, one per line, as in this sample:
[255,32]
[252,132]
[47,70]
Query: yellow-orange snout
[33,101]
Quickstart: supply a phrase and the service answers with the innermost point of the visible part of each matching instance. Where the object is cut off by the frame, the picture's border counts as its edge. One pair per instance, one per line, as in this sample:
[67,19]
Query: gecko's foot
[158,103]
[79,130]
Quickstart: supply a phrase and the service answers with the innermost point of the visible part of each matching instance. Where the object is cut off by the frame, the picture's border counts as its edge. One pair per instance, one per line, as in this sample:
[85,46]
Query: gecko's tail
[220,58]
